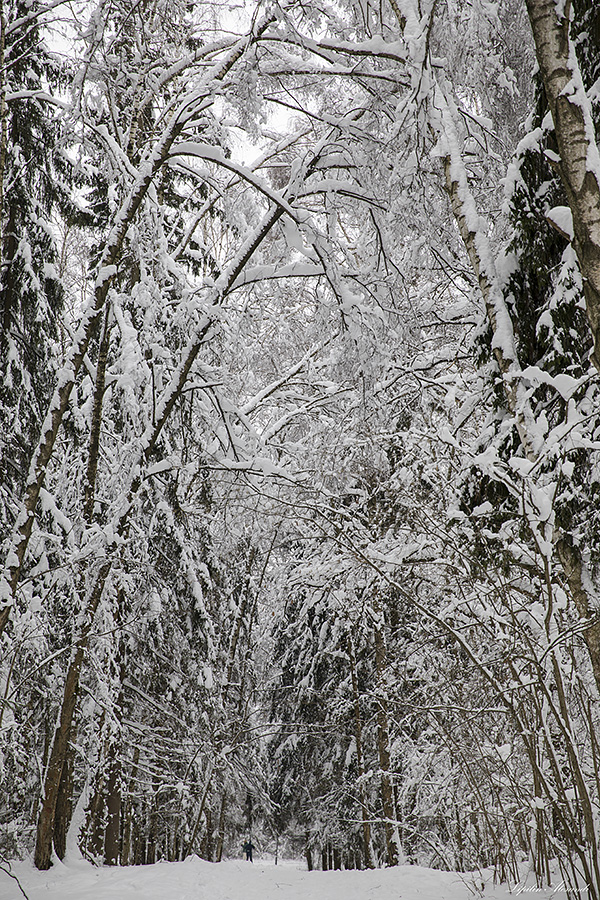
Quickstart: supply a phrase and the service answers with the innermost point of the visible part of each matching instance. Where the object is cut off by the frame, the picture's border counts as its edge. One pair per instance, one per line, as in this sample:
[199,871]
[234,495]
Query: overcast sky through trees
[299,437]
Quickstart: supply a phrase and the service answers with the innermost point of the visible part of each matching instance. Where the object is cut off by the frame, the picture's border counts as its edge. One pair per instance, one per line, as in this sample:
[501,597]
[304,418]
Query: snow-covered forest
[300,432]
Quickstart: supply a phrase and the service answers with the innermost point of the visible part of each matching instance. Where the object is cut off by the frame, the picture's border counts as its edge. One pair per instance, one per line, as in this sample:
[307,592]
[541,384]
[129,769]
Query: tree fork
[58,753]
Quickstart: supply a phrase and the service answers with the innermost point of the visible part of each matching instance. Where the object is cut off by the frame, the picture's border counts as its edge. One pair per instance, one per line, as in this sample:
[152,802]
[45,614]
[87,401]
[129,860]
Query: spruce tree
[35,177]
[543,291]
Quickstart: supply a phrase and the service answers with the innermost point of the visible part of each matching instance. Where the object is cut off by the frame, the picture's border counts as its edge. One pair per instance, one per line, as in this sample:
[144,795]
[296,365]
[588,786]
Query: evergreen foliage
[308,551]
[36,189]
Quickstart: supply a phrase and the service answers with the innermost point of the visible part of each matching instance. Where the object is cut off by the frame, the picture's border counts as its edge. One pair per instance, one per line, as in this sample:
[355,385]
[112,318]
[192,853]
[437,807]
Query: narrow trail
[196,879]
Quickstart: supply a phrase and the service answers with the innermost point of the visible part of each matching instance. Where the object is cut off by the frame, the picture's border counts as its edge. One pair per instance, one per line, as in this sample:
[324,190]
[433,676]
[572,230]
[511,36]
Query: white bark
[579,164]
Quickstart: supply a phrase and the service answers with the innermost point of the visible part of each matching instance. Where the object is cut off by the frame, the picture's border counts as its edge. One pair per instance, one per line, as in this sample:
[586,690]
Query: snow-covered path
[237,880]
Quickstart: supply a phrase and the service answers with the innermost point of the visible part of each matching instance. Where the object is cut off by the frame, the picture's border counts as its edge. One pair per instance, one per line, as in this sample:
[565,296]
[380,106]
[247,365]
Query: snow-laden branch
[274,386]
[579,163]
[272,273]
[330,50]
[35,17]
[210,153]
[42,96]
[150,165]
[473,230]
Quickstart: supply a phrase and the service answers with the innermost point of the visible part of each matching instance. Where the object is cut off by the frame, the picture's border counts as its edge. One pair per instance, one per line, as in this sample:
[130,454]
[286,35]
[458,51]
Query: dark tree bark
[366,824]
[112,834]
[392,840]
[64,803]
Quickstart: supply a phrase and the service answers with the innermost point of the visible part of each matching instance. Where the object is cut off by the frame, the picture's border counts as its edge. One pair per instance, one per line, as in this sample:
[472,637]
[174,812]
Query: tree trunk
[94,833]
[46,818]
[208,844]
[579,165]
[366,824]
[573,567]
[151,844]
[505,353]
[8,251]
[126,851]
[308,854]
[221,834]
[64,802]
[112,837]
[112,834]
[138,845]
[45,827]
[463,205]
[392,839]
[176,845]
[96,424]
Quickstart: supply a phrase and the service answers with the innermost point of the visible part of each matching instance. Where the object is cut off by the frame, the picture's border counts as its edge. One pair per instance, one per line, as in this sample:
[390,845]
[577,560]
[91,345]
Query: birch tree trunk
[481,258]
[579,164]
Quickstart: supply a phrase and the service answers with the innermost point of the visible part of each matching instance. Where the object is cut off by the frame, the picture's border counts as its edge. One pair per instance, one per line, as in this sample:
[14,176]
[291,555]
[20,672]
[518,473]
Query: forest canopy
[299,432]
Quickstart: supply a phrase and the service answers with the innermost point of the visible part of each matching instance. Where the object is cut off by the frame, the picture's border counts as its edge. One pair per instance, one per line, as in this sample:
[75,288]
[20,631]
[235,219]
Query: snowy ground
[237,880]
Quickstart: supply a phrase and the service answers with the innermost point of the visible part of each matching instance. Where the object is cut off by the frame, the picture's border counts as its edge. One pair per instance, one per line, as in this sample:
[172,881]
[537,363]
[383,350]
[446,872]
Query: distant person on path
[248,847]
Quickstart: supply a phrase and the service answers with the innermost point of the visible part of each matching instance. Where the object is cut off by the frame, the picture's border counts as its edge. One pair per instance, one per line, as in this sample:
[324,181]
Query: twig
[14,877]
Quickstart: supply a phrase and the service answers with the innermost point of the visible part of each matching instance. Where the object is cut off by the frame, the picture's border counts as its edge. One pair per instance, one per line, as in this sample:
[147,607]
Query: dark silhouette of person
[248,847]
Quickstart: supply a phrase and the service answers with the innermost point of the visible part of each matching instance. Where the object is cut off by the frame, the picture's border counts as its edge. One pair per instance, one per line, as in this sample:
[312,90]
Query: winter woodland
[300,432]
